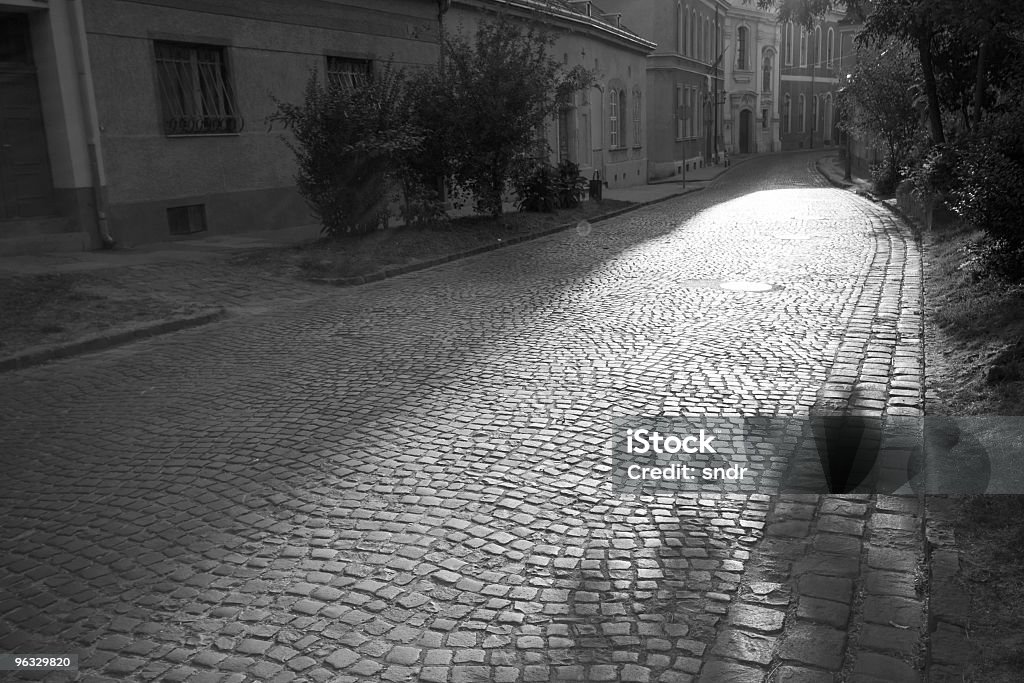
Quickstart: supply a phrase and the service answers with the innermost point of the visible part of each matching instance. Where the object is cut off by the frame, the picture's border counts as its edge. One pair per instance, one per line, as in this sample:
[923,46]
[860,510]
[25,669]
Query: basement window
[186,220]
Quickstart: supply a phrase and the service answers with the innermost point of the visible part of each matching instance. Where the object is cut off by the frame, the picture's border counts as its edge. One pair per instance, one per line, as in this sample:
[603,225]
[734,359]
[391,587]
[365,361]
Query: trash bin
[595,186]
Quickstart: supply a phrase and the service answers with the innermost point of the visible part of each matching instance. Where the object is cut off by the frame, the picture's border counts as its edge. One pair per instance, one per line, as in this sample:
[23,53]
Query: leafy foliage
[882,102]
[545,188]
[349,141]
[496,91]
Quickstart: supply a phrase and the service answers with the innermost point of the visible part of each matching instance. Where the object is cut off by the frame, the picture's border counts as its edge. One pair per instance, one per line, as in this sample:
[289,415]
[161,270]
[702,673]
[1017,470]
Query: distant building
[603,130]
[813,64]
[146,120]
[684,79]
[751,80]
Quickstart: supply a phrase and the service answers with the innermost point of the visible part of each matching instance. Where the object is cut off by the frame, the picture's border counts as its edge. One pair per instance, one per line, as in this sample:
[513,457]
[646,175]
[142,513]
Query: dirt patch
[63,307]
[354,256]
[974,344]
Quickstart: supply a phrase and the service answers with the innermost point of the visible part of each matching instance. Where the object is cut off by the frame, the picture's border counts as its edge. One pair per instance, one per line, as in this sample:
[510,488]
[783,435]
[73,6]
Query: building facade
[751,81]
[813,68]
[603,129]
[685,83]
[145,120]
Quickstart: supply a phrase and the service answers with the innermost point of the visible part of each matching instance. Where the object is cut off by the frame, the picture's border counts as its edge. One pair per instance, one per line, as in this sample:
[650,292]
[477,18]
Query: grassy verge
[63,307]
[975,361]
[349,256]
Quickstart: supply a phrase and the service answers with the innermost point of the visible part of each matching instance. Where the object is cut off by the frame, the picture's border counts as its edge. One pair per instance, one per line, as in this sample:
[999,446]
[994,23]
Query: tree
[350,139]
[881,101]
[945,34]
[486,107]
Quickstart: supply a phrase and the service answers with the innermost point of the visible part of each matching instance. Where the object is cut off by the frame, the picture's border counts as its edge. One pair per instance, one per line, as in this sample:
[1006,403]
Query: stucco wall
[270,48]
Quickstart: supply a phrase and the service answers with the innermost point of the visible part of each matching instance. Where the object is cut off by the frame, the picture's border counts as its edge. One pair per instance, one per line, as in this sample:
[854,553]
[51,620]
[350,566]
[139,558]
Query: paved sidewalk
[197,274]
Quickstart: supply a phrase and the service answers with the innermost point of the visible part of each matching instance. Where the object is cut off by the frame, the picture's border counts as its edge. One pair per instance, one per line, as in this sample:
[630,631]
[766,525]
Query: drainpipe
[76,19]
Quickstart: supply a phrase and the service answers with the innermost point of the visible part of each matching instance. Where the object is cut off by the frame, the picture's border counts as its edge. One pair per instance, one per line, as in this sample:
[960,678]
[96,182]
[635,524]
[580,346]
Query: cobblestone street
[407,481]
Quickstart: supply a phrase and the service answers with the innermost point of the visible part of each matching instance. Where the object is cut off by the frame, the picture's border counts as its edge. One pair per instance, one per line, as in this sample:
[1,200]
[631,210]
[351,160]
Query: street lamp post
[843,101]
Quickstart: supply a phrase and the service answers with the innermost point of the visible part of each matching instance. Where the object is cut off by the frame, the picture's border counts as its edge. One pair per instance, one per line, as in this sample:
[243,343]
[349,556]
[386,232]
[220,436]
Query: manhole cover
[746,286]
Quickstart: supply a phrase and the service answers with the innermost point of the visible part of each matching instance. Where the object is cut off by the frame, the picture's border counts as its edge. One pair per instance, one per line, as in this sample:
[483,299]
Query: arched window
[830,47]
[787,114]
[741,48]
[766,73]
[700,40]
[613,118]
[707,40]
[637,125]
[787,43]
[814,114]
[816,48]
[693,34]
[680,27]
[801,110]
[803,47]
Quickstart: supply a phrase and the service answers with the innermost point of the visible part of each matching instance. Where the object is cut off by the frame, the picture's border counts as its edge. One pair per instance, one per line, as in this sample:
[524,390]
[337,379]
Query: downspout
[76,18]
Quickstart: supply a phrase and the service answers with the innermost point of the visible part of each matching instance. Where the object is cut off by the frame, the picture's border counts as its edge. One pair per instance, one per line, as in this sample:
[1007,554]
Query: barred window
[348,73]
[195,91]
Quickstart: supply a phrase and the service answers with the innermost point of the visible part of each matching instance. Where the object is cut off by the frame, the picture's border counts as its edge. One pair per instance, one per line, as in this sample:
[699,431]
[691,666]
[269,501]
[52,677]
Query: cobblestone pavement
[406,481]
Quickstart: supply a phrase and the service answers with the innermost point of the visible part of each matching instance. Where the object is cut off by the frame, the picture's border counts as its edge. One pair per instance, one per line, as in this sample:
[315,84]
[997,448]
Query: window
[680,113]
[766,73]
[583,133]
[787,114]
[830,48]
[637,126]
[188,219]
[622,117]
[691,111]
[348,73]
[803,47]
[706,35]
[816,48]
[764,119]
[680,27]
[787,43]
[613,119]
[195,93]
[693,34]
[699,47]
[801,110]
[741,48]
[814,113]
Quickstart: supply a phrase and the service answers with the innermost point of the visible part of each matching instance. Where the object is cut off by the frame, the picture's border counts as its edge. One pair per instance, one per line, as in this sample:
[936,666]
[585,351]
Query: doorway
[26,186]
[746,123]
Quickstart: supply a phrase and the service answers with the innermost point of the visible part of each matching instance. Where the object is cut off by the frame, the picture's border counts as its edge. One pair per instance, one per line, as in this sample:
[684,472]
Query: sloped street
[408,480]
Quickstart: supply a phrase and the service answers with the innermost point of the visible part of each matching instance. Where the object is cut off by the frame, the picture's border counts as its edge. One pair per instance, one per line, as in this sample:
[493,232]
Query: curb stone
[889,204]
[441,260]
[845,568]
[107,340]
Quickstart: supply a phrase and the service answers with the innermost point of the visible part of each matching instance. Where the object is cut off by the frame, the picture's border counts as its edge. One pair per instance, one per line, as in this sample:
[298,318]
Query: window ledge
[202,135]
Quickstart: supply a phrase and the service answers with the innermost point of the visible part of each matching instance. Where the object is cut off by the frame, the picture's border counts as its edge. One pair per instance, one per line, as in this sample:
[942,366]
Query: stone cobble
[408,480]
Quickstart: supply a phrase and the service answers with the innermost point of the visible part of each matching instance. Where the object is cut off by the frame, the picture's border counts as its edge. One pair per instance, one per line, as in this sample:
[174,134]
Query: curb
[108,340]
[889,204]
[441,260]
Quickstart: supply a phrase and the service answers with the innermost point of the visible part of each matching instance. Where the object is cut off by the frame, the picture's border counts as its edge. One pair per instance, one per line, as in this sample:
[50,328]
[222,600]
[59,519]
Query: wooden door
[26,185]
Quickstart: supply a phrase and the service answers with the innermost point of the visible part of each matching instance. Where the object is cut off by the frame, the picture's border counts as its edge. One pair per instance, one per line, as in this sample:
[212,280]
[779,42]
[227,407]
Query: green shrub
[545,188]
[570,186]
[988,192]
[537,189]
[349,143]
